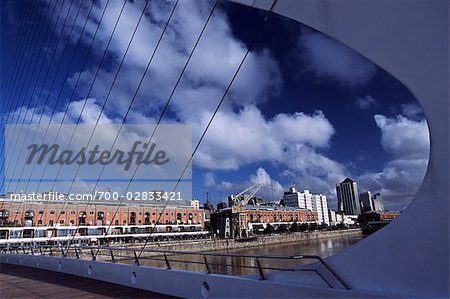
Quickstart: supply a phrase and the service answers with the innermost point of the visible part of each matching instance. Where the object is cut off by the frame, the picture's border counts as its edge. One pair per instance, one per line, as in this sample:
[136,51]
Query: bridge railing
[211,262]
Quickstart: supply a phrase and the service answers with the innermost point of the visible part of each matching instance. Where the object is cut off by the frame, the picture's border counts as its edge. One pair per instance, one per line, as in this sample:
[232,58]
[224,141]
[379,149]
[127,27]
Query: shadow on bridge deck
[25,282]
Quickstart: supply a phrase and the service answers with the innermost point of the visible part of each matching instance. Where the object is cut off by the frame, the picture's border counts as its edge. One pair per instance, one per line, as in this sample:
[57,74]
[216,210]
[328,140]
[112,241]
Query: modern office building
[371,203]
[294,198]
[366,201]
[332,217]
[319,204]
[377,202]
[348,197]
[308,201]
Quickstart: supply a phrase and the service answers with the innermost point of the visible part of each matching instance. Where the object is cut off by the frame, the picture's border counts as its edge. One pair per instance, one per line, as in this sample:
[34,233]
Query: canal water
[248,265]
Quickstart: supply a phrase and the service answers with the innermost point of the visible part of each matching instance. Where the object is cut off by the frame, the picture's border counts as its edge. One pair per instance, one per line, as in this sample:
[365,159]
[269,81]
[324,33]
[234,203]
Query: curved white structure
[410,40]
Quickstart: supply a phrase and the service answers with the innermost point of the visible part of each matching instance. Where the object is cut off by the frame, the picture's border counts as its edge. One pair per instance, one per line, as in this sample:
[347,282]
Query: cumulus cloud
[365,102]
[209,72]
[262,177]
[412,110]
[88,134]
[81,111]
[403,137]
[234,140]
[329,59]
[407,142]
[209,179]
[238,139]
[240,134]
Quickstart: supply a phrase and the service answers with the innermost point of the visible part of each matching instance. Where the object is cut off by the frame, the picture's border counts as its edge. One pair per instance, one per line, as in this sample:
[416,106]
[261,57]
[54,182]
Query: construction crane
[237,202]
[242,198]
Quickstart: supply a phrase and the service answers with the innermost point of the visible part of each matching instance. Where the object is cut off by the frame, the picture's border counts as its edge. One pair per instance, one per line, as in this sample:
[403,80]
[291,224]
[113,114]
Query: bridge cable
[46,49]
[139,84]
[16,63]
[12,62]
[23,203]
[26,107]
[53,80]
[73,90]
[95,76]
[251,45]
[164,109]
[50,64]
[58,97]
[75,86]
[21,34]
[50,89]
[123,58]
[84,105]
[17,77]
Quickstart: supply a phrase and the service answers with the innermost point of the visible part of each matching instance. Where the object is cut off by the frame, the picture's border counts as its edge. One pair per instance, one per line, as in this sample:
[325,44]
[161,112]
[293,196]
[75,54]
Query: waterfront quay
[206,245]
[224,257]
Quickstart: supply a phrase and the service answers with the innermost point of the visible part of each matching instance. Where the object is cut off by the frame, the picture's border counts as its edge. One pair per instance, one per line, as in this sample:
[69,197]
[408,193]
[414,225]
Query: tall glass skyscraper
[347,196]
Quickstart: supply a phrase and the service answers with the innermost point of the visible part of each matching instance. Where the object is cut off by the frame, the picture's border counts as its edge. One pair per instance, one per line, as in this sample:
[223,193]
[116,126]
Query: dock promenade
[207,245]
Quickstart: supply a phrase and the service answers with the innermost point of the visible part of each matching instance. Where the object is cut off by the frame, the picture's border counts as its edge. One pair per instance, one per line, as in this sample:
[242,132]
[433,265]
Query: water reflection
[245,266]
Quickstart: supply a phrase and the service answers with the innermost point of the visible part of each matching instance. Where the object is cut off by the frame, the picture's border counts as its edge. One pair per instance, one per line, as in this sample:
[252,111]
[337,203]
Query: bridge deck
[25,282]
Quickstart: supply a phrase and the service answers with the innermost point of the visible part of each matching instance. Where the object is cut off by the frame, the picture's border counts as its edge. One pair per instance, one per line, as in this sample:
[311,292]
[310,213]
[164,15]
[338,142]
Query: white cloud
[271,188]
[226,186]
[239,139]
[398,181]
[209,72]
[43,115]
[332,60]
[89,112]
[403,137]
[407,141]
[234,139]
[365,102]
[209,179]
[262,177]
[411,110]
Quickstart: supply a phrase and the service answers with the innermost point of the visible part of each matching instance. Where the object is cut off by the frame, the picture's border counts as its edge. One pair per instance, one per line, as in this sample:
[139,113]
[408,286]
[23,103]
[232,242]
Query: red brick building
[96,214]
[377,216]
[281,215]
[234,222]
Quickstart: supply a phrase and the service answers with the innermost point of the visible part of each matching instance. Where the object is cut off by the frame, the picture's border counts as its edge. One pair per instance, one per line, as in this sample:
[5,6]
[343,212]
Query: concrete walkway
[25,282]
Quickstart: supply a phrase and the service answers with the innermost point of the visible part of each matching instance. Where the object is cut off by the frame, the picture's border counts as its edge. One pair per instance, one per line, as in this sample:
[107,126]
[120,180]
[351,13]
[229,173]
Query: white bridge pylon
[410,40]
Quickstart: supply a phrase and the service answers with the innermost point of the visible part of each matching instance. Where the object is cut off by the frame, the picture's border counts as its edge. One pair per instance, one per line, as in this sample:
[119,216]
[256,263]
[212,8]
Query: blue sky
[304,108]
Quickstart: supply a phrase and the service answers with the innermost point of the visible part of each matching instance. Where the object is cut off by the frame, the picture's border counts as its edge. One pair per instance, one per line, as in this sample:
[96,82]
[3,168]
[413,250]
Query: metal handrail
[163,256]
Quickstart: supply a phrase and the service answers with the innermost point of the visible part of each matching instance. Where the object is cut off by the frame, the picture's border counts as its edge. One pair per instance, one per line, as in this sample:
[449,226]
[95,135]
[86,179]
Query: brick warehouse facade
[35,213]
[234,222]
[267,216]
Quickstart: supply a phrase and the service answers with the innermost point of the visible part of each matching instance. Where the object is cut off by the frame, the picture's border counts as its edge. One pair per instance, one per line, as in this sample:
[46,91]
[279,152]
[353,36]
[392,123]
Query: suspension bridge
[385,32]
